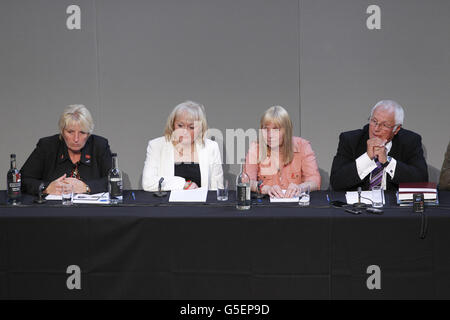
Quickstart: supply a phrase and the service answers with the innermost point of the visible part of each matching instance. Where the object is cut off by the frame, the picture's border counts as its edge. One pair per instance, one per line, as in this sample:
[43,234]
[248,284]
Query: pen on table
[134,197]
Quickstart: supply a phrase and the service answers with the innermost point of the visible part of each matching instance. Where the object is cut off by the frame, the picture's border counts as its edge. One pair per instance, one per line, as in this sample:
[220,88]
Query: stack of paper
[98,198]
[293,199]
[407,190]
[366,197]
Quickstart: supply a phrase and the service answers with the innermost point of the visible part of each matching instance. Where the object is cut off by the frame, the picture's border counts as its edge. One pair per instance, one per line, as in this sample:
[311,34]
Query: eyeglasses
[383,125]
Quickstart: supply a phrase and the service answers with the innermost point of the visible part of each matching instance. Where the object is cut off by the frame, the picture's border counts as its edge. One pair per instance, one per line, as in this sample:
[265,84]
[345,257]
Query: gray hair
[77,113]
[391,105]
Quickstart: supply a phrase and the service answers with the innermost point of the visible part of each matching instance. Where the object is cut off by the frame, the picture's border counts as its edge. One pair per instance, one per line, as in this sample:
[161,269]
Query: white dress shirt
[365,166]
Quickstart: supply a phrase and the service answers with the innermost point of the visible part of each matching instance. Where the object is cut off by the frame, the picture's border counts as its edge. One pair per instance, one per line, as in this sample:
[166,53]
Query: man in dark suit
[382,153]
[444,180]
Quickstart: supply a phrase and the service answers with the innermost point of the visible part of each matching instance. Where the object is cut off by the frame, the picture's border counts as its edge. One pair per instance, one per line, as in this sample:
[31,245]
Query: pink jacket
[302,168]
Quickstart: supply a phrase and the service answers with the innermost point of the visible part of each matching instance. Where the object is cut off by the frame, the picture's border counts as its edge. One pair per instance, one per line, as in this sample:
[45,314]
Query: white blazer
[160,163]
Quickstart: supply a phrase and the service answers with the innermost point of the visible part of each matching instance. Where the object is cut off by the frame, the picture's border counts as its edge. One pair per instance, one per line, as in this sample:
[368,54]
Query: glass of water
[222,190]
[67,194]
[377,197]
[304,197]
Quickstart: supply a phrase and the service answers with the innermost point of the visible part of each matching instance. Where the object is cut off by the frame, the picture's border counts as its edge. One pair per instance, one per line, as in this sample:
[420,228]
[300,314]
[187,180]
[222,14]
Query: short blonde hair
[195,112]
[79,114]
[280,117]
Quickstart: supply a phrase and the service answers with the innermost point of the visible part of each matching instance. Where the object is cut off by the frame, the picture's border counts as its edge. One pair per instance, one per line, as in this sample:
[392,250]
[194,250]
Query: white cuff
[173,183]
[364,165]
[390,168]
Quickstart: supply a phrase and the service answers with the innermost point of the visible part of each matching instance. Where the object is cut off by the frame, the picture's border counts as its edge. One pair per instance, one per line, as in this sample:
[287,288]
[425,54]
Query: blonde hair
[76,113]
[280,117]
[195,112]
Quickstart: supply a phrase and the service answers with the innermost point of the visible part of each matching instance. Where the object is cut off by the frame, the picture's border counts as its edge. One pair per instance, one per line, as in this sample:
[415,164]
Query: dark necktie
[377,175]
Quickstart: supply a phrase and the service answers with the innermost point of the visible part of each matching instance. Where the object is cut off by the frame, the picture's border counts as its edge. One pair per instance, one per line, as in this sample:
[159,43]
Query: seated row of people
[382,153]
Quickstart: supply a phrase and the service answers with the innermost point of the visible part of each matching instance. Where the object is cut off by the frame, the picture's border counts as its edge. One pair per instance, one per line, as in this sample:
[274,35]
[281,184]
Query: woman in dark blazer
[73,156]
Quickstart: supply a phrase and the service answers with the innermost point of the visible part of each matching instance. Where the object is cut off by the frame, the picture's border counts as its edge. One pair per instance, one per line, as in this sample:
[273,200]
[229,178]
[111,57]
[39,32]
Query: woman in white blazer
[183,156]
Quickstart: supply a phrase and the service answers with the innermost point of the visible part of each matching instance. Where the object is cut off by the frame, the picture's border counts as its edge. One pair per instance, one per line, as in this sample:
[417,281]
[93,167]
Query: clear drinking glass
[222,190]
[67,194]
[377,197]
[304,197]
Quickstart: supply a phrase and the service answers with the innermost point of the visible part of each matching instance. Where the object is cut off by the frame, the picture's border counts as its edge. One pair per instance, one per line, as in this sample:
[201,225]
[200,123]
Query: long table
[148,248]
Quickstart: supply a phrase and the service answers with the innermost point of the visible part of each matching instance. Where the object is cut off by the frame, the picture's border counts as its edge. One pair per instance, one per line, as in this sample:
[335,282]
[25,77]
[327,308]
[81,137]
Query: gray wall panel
[346,68]
[43,68]
[237,58]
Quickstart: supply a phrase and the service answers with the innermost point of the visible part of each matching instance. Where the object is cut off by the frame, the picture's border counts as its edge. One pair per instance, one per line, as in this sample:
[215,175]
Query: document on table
[293,199]
[97,198]
[53,197]
[352,197]
[194,195]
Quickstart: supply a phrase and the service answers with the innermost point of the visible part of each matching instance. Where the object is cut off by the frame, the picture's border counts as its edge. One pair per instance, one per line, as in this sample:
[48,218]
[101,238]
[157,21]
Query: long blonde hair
[280,117]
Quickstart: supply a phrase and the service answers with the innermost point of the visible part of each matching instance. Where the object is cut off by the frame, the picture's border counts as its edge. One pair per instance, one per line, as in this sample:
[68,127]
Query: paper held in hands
[352,197]
[98,198]
[194,195]
[293,199]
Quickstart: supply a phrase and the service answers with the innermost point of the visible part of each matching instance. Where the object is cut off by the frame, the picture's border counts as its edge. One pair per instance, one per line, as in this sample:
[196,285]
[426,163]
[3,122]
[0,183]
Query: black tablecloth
[149,248]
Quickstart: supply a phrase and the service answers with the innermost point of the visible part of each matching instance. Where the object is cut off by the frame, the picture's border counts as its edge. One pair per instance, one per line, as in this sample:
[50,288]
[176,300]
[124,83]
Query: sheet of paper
[97,198]
[53,197]
[195,195]
[352,197]
[294,199]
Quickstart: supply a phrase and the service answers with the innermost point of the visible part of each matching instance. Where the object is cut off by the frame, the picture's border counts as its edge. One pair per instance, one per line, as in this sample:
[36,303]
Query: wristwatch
[88,190]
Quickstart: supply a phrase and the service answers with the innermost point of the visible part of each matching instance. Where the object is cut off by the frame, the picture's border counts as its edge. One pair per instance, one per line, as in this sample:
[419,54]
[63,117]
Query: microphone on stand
[359,204]
[160,193]
[40,199]
[259,195]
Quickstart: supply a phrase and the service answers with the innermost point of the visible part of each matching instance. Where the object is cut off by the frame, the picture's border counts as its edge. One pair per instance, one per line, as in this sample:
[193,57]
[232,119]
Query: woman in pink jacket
[279,160]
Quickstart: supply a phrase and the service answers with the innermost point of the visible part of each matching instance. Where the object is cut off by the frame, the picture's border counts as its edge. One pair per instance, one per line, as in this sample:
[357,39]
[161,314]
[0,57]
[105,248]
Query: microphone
[160,193]
[40,199]
[259,195]
[359,204]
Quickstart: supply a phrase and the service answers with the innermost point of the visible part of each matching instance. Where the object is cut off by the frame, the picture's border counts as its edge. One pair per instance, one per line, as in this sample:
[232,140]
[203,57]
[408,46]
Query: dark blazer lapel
[362,145]
[63,153]
[363,149]
[394,153]
[86,152]
[395,149]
